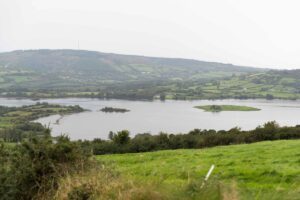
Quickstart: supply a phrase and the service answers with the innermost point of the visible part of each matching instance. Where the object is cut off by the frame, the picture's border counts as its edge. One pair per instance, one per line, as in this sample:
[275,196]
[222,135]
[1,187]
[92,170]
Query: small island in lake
[219,108]
[111,109]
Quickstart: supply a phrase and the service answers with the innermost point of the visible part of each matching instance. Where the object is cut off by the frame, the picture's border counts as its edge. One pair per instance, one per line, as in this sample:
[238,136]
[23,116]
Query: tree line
[121,142]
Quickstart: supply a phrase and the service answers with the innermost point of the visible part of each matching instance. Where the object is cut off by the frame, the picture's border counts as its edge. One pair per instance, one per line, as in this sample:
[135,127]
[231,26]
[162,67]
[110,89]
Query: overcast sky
[263,33]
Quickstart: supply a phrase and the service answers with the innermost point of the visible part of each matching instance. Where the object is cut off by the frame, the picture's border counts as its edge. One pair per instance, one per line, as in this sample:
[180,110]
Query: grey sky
[264,33]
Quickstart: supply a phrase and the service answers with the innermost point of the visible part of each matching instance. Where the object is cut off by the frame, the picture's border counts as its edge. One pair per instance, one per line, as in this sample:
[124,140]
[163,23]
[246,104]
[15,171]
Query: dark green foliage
[162,97]
[122,143]
[111,109]
[111,135]
[215,108]
[23,130]
[121,137]
[4,169]
[34,167]
[269,96]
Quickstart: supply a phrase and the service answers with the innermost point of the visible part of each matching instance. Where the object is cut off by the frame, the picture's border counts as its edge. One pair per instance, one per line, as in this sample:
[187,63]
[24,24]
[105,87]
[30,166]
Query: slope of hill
[57,69]
[78,73]
[281,84]
[248,171]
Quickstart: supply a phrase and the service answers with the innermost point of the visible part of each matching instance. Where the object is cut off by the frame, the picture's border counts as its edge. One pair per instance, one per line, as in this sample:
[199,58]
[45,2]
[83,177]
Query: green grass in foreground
[219,108]
[264,170]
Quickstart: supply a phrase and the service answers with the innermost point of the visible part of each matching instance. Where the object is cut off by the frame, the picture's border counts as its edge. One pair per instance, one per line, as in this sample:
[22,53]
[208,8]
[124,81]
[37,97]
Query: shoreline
[145,100]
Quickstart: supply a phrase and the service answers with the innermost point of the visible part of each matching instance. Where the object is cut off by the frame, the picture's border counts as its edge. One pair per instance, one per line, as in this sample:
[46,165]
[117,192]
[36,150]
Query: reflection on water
[156,116]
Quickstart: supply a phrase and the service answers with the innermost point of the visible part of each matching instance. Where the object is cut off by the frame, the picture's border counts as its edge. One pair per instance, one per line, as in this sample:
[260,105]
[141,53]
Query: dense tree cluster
[120,142]
[111,109]
[23,130]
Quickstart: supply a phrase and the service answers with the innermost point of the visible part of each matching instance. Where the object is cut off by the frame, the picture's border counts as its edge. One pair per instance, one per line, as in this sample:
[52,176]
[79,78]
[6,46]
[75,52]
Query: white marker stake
[208,174]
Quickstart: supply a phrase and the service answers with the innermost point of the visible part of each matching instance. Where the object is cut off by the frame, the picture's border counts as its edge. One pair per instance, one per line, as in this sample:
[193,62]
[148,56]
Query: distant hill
[90,65]
[42,71]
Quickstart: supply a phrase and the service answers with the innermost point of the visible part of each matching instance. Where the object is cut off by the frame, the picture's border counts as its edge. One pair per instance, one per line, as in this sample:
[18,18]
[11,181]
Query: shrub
[36,165]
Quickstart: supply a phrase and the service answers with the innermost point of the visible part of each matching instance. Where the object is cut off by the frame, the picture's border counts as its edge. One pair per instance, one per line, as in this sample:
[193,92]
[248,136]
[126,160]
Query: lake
[156,116]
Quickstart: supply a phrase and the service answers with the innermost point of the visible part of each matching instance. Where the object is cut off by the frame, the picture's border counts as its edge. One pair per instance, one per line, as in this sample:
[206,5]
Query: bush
[34,167]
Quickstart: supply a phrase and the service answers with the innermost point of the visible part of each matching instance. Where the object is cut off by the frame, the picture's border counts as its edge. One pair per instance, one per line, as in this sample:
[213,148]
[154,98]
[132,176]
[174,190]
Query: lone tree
[122,137]
[216,108]
[269,97]
[111,135]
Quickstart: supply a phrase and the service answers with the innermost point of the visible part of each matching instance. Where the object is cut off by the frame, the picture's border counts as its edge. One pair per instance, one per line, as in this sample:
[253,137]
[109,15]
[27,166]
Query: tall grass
[101,183]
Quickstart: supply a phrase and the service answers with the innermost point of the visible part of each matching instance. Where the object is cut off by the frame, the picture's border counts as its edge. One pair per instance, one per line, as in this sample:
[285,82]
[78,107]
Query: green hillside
[72,65]
[78,73]
[264,170]
[48,70]
[271,84]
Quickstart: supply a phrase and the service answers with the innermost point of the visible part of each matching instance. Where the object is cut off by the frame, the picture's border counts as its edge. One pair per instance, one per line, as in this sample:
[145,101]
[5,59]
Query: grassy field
[265,170]
[219,108]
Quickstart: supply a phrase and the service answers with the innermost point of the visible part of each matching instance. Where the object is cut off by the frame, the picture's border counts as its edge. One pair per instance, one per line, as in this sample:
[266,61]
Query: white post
[208,174]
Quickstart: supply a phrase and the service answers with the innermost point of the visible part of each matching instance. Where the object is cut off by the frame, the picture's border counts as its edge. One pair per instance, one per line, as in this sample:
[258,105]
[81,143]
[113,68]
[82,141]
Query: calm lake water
[154,117]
